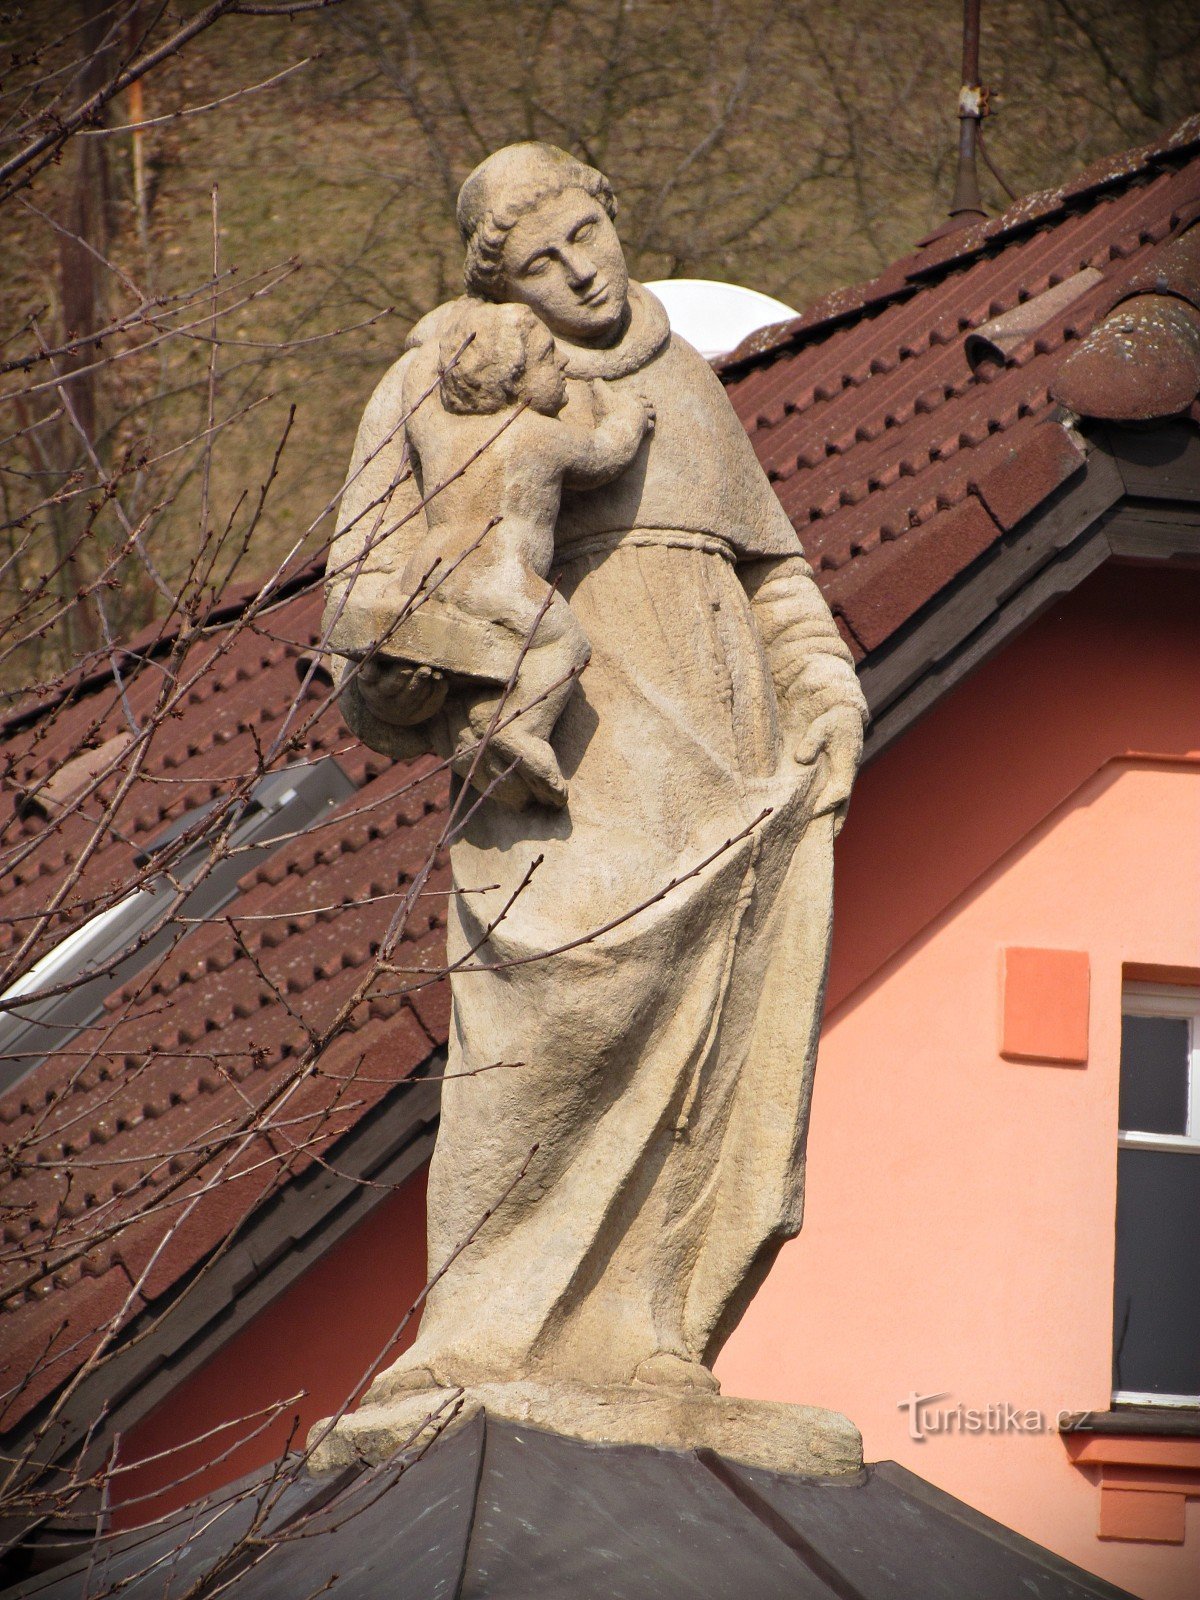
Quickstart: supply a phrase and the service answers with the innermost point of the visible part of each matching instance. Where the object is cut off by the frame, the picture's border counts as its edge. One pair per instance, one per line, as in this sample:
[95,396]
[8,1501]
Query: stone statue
[659,976]
[481,570]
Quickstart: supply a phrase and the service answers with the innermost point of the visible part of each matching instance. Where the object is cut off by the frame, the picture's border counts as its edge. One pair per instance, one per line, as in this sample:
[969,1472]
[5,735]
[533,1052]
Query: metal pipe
[970,55]
[967,201]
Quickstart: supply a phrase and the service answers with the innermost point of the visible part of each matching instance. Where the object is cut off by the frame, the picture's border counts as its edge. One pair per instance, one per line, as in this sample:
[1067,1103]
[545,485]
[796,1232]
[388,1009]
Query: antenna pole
[968,202]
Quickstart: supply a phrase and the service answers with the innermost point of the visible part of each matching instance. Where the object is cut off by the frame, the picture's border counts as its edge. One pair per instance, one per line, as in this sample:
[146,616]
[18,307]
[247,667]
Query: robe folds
[653,991]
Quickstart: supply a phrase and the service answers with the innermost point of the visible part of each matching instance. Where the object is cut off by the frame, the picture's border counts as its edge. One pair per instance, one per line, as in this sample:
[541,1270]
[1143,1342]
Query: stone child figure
[659,976]
[490,455]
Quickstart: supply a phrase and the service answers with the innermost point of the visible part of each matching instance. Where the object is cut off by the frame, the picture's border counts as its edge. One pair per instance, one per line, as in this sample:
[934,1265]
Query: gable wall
[960,1215]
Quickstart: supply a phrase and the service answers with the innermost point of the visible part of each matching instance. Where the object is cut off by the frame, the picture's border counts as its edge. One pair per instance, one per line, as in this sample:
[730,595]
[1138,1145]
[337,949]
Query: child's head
[493,356]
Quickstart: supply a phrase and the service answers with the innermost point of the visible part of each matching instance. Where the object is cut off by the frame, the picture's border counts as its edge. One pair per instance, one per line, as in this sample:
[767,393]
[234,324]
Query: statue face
[545,375]
[563,259]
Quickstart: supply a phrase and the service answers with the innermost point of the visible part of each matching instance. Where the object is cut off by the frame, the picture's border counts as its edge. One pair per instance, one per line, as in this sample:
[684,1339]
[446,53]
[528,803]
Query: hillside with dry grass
[792,147]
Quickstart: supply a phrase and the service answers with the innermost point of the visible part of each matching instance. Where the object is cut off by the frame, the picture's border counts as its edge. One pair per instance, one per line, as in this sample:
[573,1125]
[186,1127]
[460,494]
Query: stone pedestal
[801,1440]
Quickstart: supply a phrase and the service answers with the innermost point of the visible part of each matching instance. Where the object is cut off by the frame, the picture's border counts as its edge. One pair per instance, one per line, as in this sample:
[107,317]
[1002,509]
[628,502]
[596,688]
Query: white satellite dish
[716,317]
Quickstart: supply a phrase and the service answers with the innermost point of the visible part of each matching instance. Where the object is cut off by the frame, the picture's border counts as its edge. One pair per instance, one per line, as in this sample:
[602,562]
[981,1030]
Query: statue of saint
[648,937]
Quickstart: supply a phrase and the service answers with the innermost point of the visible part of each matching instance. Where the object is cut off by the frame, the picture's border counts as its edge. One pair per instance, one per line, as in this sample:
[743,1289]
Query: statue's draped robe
[659,986]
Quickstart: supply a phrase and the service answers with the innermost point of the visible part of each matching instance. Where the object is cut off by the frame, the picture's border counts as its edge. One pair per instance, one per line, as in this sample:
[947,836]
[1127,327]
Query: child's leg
[555,655]
[526,715]
[500,584]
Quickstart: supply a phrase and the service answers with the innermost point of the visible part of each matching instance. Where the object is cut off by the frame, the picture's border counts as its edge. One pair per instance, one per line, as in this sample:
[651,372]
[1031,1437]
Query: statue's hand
[401,692]
[627,405]
[837,735]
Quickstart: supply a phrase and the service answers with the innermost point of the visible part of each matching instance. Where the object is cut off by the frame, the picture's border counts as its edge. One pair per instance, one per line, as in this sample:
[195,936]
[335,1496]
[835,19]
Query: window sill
[1148,1462]
[1136,1422]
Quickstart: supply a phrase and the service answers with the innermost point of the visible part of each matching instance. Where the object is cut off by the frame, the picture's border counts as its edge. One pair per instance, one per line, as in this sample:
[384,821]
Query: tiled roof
[149,1104]
[898,461]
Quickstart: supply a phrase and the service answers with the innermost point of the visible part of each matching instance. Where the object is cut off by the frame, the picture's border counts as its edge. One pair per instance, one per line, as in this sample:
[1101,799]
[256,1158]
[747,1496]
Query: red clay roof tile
[871,422]
[115,1143]
[1036,461]
[887,586]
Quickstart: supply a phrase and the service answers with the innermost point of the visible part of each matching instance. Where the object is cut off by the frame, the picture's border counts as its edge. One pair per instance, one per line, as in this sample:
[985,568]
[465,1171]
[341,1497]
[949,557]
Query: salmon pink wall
[959,1229]
[319,1336]
[1111,668]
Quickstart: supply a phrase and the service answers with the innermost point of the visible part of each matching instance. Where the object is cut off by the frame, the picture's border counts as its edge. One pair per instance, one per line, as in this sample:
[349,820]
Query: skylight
[38,1015]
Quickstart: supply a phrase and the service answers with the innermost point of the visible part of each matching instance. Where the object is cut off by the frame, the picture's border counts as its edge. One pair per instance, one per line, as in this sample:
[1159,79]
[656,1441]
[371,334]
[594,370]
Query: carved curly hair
[483,352]
[501,190]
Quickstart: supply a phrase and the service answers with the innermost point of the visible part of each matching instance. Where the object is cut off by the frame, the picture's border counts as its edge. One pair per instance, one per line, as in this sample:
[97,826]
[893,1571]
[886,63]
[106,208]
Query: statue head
[538,227]
[493,356]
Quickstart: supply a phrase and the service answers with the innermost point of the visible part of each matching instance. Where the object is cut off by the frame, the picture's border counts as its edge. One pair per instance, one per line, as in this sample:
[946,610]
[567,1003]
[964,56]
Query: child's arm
[592,456]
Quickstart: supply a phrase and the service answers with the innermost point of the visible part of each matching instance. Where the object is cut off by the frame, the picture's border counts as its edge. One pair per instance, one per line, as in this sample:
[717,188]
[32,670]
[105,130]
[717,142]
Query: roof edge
[909,272]
[153,641]
[272,1248]
[1045,555]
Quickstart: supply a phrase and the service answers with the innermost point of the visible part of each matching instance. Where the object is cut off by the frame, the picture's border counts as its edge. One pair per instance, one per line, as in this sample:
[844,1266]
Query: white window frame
[1163,1000]
[73,956]
[1145,1000]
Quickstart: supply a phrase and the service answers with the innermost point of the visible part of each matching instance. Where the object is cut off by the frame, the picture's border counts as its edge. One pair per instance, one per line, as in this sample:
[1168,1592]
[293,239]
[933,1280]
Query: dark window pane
[1154,1074]
[1156,1335]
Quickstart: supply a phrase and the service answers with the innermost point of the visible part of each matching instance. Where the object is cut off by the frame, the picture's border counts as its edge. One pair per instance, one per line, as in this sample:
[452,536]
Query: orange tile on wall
[1142,1515]
[1045,1005]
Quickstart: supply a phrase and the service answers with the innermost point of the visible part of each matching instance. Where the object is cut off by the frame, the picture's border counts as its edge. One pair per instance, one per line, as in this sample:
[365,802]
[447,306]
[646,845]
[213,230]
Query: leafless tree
[96,544]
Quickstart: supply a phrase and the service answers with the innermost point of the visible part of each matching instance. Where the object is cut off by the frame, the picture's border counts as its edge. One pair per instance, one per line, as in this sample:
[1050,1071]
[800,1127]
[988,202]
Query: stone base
[761,1433]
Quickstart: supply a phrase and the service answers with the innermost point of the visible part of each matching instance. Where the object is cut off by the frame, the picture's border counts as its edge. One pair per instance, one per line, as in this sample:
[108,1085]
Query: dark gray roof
[507,1512]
